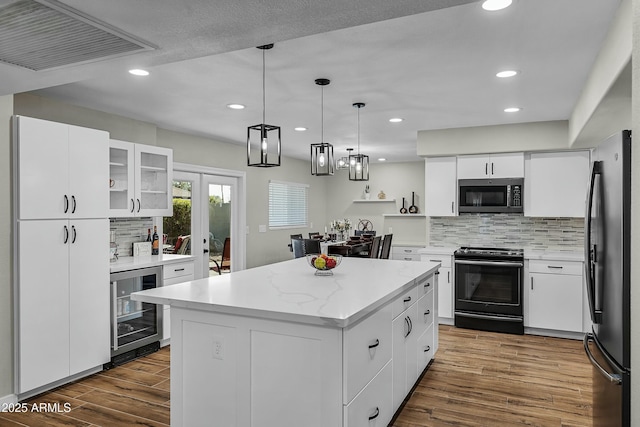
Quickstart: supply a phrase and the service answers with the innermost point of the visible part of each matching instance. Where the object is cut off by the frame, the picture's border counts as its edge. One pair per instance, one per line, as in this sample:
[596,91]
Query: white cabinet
[441,186]
[445,301]
[555,295]
[172,274]
[508,165]
[556,184]
[62,170]
[405,364]
[141,178]
[406,253]
[63,299]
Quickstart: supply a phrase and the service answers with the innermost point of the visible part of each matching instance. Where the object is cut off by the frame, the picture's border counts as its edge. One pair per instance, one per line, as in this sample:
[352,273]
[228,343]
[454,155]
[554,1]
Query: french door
[208,209]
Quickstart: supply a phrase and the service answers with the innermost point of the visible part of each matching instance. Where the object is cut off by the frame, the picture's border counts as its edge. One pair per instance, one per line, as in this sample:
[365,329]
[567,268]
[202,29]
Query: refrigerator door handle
[589,251]
[613,378]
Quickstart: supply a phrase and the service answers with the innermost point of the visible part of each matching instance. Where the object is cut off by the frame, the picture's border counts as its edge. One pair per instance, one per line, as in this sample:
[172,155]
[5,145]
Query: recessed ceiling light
[300,129]
[506,73]
[492,5]
[396,120]
[235,106]
[382,159]
[139,72]
[512,109]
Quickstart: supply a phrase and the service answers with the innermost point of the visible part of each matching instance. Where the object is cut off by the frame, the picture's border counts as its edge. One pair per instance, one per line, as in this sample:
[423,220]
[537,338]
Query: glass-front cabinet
[134,323]
[140,180]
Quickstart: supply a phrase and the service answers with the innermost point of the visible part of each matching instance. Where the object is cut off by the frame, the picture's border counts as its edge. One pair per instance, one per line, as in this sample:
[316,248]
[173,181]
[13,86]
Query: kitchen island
[278,346]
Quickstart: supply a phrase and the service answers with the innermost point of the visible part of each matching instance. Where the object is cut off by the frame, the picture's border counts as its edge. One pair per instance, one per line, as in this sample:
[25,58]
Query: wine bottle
[155,242]
[148,234]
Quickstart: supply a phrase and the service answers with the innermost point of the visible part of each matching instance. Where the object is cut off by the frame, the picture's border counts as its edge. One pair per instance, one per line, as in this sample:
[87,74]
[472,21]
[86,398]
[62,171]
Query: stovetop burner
[489,252]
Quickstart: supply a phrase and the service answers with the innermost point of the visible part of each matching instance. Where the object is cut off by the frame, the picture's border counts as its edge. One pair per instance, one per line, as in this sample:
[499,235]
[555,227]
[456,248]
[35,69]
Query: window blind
[287,204]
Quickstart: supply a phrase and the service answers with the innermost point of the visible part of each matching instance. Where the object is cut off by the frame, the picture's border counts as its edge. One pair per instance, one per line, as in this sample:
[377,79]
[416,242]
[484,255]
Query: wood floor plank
[130,405]
[128,388]
[136,376]
[102,416]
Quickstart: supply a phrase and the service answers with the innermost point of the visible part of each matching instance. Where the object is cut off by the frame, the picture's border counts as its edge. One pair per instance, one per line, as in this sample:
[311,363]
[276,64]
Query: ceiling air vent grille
[45,35]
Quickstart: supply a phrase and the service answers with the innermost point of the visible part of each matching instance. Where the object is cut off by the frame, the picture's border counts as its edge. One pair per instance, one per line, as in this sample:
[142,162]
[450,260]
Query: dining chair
[362,232]
[302,247]
[225,263]
[375,247]
[386,246]
[294,236]
[313,233]
[183,245]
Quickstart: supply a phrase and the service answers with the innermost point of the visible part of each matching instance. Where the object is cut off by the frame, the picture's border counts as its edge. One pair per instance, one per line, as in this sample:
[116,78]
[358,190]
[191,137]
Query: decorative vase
[367,196]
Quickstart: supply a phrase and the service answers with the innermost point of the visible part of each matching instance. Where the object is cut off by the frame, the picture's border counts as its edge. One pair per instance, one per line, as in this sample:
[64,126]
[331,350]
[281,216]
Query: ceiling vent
[42,35]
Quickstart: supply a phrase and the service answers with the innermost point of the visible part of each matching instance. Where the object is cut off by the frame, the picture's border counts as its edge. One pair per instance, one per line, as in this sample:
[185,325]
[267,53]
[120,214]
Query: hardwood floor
[477,379]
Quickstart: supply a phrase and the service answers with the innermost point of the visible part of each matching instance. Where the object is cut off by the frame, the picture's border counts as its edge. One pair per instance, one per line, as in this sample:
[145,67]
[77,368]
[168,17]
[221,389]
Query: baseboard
[554,333]
[8,400]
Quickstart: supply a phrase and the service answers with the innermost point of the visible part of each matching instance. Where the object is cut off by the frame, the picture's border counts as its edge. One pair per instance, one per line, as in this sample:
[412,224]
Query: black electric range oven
[488,289]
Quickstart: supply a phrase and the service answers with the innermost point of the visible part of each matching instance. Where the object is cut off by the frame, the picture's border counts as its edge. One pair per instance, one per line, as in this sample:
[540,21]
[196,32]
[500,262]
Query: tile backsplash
[507,231]
[129,230]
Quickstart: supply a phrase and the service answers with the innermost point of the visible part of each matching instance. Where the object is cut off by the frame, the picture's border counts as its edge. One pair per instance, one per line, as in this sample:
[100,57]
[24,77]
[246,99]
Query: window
[287,204]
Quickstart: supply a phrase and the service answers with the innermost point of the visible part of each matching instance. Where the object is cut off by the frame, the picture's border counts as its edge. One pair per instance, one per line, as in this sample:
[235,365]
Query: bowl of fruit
[323,264]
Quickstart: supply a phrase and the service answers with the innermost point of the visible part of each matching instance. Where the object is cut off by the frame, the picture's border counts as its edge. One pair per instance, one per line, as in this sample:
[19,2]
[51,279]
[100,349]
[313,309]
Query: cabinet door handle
[558,267]
[407,299]
[410,323]
[406,322]
[114,315]
[66,234]
[486,168]
[133,205]
[73,229]
[428,312]
[375,415]
[531,282]
[448,277]
[374,345]
[66,203]
[427,349]
[452,207]
[73,199]
[491,168]
[138,205]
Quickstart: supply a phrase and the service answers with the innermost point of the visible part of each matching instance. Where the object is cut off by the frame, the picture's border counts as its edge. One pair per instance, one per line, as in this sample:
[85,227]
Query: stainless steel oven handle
[614,378]
[484,317]
[491,263]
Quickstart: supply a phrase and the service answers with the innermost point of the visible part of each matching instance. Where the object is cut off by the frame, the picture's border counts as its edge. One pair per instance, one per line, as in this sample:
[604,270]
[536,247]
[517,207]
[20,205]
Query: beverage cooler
[136,327]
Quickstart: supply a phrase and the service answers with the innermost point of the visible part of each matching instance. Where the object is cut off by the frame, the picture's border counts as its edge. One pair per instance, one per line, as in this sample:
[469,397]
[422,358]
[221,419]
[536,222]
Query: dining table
[350,248]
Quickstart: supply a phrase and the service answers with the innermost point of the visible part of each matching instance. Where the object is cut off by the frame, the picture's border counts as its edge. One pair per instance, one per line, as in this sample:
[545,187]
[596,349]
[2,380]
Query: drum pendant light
[358,163]
[264,138]
[322,162]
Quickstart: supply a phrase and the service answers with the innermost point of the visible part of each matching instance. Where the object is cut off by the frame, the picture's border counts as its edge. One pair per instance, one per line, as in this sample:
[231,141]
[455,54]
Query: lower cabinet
[373,405]
[445,282]
[62,314]
[172,274]
[555,295]
[406,253]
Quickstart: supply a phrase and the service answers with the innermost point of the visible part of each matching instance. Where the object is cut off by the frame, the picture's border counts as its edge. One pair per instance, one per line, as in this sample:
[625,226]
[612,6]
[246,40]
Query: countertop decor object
[413,209]
[323,264]
[403,209]
[381,195]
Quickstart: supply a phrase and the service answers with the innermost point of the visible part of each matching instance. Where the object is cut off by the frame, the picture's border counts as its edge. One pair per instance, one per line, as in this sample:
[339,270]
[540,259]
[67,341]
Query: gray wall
[6,313]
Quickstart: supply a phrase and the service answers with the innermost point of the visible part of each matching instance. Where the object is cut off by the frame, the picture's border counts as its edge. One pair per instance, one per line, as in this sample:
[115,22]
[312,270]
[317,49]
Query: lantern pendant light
[322,162]
[343,162]
[263,139]
[358,163]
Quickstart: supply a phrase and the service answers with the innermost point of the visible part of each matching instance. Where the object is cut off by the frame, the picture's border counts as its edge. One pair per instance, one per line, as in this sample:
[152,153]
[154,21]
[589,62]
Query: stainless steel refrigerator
[607,268]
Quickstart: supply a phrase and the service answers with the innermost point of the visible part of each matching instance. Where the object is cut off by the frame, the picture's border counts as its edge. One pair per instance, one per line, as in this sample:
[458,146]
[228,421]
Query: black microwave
[501,195]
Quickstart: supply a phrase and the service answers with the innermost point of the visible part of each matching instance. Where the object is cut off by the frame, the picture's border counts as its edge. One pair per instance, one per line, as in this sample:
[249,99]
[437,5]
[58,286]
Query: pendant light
[264,138]
[358,163]
[343,162]
[322,154]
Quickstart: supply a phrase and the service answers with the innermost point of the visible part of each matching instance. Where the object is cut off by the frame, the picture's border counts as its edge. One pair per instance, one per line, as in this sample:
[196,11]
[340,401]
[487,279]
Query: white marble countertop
[290,291]
[133,263]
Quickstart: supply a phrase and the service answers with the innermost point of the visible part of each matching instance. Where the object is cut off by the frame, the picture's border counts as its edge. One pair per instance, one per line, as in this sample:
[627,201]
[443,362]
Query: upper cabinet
[62,170]
[509,165]
[556,184]
[141,179]
[440,186]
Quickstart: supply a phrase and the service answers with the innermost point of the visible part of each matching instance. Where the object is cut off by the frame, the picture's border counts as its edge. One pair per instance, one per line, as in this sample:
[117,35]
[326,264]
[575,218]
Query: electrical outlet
[390,230]
[262,228]
[218,347]
[310,225]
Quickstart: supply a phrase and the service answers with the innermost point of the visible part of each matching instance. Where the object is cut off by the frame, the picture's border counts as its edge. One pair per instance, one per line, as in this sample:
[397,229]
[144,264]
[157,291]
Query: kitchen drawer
[170,271]
[445,260]
[425,349]
[373,407]
[426,285]
[404,301]
[425,313]
[555,267]
[406,250]
[367,348]
[405,257]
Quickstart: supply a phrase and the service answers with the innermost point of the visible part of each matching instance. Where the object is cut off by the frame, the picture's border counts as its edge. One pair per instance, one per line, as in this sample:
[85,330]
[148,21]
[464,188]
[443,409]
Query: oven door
[493,287]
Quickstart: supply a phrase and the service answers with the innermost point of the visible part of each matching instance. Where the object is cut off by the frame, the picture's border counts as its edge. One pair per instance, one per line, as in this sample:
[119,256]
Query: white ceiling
[435,69]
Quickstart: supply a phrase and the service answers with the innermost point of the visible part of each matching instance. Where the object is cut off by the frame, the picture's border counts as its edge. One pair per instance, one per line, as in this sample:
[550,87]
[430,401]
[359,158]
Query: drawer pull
[435,260]
[428,312]
[407,299]
[559,267]
[427,349]
[377,343]
[427,285]
[178,269]
[375,415]
[408,259]
[407,251]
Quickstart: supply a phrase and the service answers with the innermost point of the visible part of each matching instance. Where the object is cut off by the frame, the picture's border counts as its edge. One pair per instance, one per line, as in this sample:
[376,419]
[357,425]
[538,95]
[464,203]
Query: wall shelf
[407,215]
[373,200]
